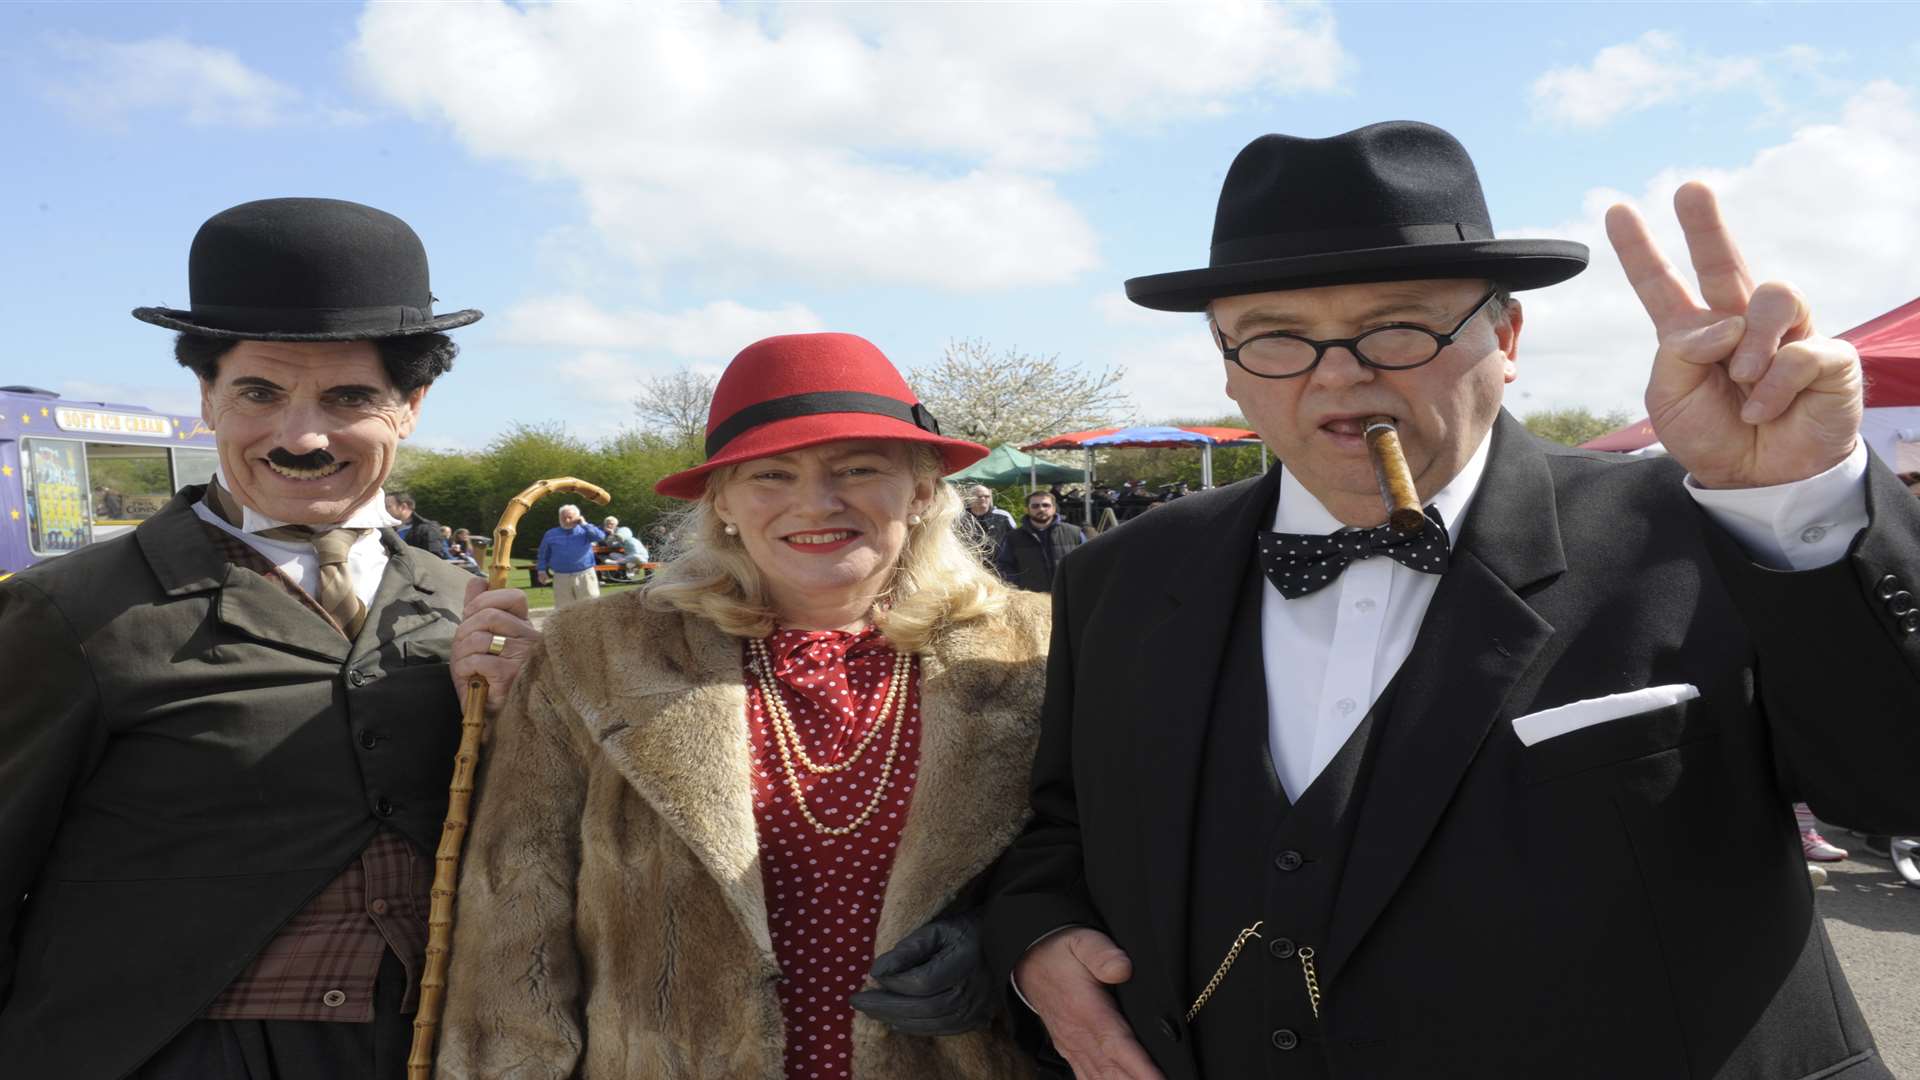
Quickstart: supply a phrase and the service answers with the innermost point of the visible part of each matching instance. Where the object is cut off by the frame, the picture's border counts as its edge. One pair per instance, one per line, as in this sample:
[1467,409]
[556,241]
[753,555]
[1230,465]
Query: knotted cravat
[335,593]
[1300,563]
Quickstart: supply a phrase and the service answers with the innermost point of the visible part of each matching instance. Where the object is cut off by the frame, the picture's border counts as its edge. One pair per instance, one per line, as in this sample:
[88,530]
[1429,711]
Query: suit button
[1281,948]
[355,678]
[378,906]
[384,808]
[1887,587]
[333,999]
[1170,1029]
[1910,622]
[368,740]
[1288,861]
[1900,603]
[1285,1039]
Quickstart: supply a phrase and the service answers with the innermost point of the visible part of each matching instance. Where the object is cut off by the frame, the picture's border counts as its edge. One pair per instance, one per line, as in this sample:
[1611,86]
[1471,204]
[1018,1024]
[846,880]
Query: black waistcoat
[1255,857]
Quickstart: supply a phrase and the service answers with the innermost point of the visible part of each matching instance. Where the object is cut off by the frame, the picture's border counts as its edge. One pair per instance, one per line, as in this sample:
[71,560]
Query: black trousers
[295,1049]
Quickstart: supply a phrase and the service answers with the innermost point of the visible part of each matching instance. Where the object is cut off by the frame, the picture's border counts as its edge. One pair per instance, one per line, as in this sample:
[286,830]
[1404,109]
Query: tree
[1573,426]
[1008,396]
[675,405]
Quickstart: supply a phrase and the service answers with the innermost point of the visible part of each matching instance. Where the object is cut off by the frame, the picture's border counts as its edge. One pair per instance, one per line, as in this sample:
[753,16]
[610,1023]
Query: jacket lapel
[1187,636]
[184,561]
[979,722]
[1477,639]
[402,604]
[675,726]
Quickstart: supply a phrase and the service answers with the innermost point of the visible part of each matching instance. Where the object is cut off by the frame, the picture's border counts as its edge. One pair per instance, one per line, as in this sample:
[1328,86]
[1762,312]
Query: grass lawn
[541,596]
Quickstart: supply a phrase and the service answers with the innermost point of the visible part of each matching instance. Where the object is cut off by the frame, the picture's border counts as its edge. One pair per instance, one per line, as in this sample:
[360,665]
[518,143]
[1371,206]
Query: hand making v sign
[1742,393]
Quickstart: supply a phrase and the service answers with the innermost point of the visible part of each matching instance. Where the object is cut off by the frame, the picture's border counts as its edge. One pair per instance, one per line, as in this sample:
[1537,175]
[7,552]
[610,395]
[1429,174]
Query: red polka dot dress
[824,891]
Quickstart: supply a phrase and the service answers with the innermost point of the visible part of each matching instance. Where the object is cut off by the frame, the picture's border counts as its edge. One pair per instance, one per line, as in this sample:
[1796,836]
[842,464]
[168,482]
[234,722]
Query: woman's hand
[933,983]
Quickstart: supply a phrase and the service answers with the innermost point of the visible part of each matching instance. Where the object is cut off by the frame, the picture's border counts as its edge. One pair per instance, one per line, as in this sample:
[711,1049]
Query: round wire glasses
[1393,347]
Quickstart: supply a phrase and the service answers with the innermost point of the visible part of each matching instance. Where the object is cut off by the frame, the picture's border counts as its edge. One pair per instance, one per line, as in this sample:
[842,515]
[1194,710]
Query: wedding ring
[496,646]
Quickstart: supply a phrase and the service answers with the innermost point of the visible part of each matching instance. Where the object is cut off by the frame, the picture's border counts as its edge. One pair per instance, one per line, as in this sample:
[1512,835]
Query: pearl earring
[913,519]
[731,529]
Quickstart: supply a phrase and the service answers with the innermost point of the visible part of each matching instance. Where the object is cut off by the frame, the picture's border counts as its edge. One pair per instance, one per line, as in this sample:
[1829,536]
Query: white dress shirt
[1329,654]
[366,560]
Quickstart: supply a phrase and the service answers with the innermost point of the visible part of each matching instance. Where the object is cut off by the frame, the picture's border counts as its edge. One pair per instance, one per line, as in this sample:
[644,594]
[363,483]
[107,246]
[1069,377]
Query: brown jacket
[611,920]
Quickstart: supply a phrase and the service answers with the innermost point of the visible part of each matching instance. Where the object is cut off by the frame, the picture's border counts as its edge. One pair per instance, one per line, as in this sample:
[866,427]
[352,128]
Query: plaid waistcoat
[322,963]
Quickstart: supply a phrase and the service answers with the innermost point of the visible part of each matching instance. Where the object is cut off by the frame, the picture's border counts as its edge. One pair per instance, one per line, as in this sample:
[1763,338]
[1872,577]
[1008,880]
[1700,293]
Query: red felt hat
[799,390]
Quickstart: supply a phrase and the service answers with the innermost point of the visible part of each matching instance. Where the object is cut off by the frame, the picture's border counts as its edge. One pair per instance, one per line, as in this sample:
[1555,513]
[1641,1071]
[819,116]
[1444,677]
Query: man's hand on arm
[1064,978]
[489,612]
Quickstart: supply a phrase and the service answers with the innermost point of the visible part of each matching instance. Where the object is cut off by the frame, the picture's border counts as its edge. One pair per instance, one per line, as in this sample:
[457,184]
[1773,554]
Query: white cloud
[1833,210]
[890,143]
[106,82]
[1656,69]
[714,331]
[1176,375]
[179,397]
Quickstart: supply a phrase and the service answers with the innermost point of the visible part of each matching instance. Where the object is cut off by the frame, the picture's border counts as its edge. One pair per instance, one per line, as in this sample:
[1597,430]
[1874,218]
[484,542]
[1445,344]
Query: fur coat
[611,920]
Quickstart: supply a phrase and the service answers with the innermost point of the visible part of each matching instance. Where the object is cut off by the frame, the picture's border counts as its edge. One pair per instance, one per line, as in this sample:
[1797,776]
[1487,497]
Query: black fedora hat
[1397,201]
[306,270]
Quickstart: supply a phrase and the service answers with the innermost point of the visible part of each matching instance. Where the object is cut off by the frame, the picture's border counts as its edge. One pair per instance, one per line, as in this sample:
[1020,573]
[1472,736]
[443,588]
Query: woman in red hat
[730,823]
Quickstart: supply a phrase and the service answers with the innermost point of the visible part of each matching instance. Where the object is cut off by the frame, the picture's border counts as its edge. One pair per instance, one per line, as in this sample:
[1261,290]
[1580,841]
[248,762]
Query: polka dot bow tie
[1298,563]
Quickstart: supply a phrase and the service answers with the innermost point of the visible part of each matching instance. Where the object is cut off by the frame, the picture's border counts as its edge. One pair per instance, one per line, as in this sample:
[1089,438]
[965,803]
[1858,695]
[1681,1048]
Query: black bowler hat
[1388,202]
[306,270]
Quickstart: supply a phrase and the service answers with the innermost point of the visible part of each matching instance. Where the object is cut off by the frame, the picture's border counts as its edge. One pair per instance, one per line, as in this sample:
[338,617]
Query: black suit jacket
[187,755]
[1627,900]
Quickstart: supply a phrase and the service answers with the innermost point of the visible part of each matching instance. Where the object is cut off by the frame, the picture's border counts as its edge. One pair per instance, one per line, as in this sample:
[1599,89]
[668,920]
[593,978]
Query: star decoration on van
[6,470]
[15,513]
[43,412]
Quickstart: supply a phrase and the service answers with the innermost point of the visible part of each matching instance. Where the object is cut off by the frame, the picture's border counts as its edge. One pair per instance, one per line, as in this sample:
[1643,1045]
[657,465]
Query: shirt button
[1813,534]
[1346,705]
[1285,1039]
[1288,861]
[378,906]
[333,999]
[1281,948]
[1363,606]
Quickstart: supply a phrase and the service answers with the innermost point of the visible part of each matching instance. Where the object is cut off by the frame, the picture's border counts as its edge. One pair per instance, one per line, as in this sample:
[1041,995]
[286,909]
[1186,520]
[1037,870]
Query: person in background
[983,525]
[566,552]
[460,551]
[627,551]
[697,859]
[1912,480]
[421,532]
[1029,554]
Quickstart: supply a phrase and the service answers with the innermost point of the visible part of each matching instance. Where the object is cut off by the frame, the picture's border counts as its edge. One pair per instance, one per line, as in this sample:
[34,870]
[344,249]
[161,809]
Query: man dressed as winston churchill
[1511,799]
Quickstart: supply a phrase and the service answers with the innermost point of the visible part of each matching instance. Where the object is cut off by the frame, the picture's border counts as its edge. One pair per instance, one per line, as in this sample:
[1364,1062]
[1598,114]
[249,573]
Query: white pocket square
[1551,723]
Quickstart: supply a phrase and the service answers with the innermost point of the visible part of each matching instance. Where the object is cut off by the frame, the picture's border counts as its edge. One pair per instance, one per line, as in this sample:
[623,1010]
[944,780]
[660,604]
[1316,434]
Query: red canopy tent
[1890,359]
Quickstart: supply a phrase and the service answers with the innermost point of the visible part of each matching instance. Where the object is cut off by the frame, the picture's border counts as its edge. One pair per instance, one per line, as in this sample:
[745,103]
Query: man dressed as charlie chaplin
[227,736]
[1511,799]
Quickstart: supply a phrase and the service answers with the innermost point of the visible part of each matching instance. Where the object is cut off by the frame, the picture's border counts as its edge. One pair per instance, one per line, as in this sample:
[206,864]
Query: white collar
[371,514]
[1301,512]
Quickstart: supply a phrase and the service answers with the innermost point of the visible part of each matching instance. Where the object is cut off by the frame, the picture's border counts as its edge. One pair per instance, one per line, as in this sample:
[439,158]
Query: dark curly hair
[412,361]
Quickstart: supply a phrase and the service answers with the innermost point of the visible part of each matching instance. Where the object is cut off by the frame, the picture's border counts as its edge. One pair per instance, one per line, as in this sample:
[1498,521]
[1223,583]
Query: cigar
[1396,480]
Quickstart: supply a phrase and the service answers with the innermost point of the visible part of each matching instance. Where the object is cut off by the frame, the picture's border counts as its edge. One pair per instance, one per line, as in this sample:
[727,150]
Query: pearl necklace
[787,737]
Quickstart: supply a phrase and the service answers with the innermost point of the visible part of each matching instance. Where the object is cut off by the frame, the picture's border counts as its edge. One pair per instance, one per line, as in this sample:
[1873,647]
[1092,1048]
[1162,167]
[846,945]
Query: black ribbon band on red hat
[824,401]
[1323,241]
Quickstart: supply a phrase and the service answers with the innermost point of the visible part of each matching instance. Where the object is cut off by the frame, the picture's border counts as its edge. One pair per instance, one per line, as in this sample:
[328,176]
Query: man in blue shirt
[567,551]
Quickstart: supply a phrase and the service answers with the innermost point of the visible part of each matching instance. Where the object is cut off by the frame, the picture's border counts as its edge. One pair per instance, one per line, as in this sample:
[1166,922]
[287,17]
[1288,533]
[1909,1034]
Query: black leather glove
[934,982]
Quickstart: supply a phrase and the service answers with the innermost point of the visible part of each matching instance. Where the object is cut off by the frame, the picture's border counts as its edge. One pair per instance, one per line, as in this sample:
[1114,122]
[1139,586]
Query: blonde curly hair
[940,580]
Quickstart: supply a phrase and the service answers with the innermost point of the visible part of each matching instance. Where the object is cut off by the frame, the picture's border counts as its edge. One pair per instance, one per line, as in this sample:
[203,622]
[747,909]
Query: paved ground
[1874,920]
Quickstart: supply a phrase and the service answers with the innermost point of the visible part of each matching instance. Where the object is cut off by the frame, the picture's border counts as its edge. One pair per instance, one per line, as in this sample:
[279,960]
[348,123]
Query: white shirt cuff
[1799,526]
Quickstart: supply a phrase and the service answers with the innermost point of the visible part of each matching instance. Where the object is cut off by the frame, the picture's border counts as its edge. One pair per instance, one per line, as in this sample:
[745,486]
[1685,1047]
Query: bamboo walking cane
[446,871]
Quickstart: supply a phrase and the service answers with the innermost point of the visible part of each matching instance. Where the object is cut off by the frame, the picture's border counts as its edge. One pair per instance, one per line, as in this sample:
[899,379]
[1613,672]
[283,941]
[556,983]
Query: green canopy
[1008,466]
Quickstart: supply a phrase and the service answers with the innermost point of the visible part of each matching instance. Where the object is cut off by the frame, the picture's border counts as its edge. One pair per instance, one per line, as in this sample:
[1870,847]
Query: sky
[630,189]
